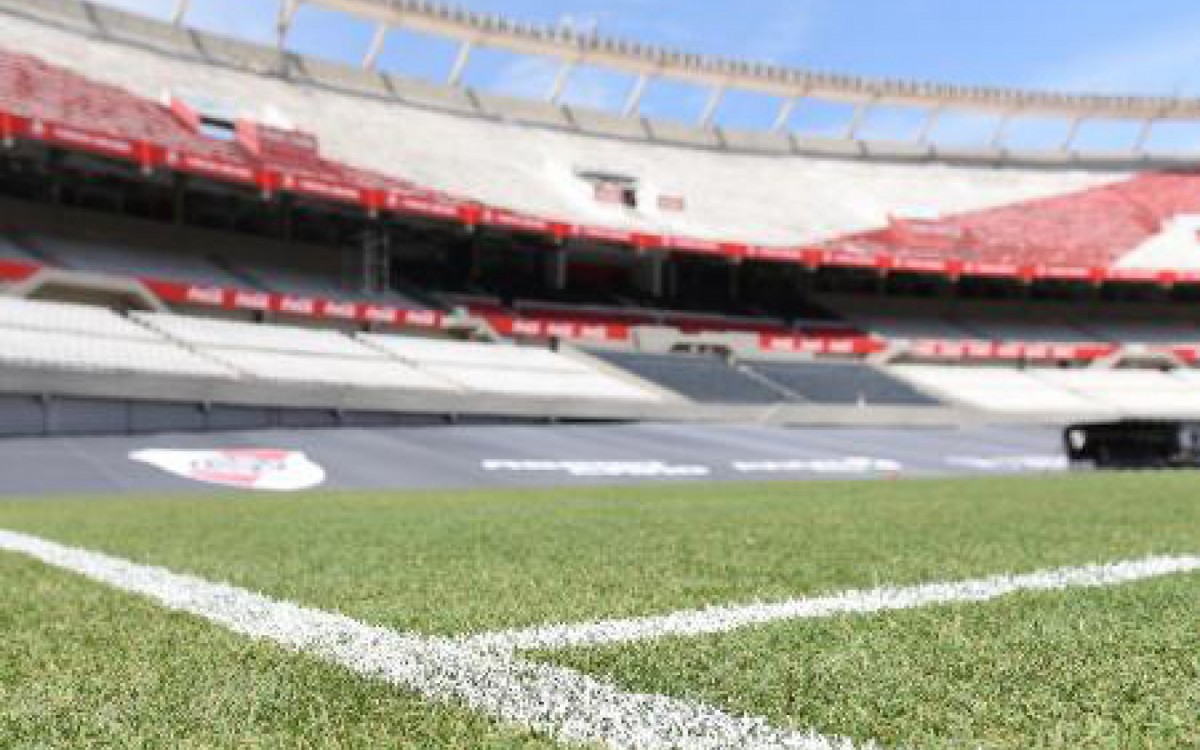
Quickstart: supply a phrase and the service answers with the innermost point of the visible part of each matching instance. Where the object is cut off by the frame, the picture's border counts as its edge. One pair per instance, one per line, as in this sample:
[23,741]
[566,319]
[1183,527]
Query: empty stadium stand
[1003,320]
[508,370]
[713,379]
[85,339]
[1050,390]
[110,86]
[699,377]
[1095,227]
[51,335]
[816,281]
[291,354]
[839,383]
[1130,392]
[90,353]
[997,389]
[99,242]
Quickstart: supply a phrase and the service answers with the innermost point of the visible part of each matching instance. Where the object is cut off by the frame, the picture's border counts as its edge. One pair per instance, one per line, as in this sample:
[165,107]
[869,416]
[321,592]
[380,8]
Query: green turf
[79,664]
[82,666]
[455,563]
[1115,668]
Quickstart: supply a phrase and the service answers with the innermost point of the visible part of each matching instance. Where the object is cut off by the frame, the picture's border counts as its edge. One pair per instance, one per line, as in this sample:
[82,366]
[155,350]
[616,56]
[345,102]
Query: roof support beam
[287,14]
[1144,135]
[783,120]
[710,109]
[929,126]
[1072,132]
[634,103]
[635,59]
[560,81]
[181,10]
[1000,137]
[460,63]
[861,112]
[376,48]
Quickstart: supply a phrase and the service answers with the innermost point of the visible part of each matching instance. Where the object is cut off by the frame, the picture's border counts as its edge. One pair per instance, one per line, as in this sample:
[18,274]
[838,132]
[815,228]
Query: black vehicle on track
[1134,444]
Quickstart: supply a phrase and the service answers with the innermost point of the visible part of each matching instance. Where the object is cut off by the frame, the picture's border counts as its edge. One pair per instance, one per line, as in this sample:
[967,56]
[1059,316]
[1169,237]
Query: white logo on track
[1010,463]
[599,468]
[244,468]
[847,465]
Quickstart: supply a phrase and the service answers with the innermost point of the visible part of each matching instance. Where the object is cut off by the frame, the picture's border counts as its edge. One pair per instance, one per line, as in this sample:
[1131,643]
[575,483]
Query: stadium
[341,407]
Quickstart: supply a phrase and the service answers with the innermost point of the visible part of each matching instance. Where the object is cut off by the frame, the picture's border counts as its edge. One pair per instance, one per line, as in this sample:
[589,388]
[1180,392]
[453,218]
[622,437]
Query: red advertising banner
[1140,275]
[206,166]
[912,264]
[1188,354]
[649,241]
[15,271]
[339,192]
[85,140]
[562,329]
[514,221]
[799,344]
[692,245]
[1009,351]
[603,234]
[1064,273]
[986,269]
[853,259]
[421,205]
[777,254]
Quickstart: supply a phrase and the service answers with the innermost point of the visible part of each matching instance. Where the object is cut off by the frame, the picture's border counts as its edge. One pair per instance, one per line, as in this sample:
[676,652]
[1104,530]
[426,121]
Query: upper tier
[1074,215]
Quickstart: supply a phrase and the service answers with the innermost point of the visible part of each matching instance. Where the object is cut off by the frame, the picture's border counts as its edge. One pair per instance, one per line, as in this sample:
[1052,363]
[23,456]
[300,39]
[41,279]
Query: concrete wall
[56,402]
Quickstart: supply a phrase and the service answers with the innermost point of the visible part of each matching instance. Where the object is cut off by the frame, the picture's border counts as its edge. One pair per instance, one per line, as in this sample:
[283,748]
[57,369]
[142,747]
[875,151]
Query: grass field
[85,664]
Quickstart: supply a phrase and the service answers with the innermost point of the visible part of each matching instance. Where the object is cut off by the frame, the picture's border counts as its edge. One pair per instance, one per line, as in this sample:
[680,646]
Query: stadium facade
[202,233]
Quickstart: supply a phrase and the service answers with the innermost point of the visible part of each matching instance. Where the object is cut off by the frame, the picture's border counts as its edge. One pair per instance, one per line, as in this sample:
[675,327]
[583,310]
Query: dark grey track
[453,456]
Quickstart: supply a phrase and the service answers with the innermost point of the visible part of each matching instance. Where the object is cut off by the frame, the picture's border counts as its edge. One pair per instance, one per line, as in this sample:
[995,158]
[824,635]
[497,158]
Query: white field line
[723,619]
[557,702]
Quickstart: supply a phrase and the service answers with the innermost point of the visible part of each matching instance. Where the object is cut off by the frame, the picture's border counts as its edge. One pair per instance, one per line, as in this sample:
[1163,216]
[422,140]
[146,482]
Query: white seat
[208,332]
[997,389]
[506,369]
[74,351]
[1135,392]
[40,315]
[329,370]
[472,353]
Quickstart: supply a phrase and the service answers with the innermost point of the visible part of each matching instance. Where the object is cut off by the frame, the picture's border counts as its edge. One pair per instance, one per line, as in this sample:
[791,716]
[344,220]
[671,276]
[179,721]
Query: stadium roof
[574,47]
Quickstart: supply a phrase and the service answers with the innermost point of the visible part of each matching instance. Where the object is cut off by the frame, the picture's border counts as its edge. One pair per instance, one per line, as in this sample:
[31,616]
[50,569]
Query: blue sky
[1110,46]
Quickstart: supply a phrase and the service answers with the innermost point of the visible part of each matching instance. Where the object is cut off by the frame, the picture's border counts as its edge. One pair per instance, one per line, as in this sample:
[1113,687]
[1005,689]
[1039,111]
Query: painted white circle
[244,468]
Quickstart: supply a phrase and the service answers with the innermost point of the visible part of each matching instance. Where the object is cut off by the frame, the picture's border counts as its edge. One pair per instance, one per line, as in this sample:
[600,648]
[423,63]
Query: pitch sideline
[482,672]
[558,702]
[723,619]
